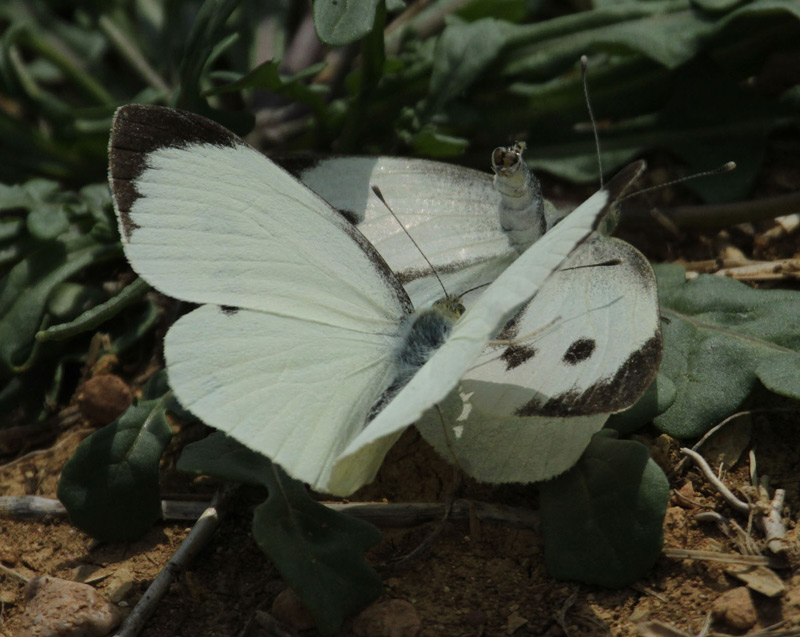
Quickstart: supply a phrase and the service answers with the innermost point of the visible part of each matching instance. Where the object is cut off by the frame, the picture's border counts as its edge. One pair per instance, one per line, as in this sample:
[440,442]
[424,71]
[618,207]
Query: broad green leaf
[462,53]
[711,120]
[602,520]
[720,338]
[344,21]
[319,552]
[68,300]
[110,485]
[655,400]
[508,10]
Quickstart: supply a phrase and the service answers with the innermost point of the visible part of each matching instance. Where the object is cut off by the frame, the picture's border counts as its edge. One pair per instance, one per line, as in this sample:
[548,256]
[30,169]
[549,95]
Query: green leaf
[207,31]
[68,300]
[266,76]
[344,21]
[655,400]
[430,143]
[47,222]
[711,120]
[24,292]
[462,54]
[97,315]
[720,338]
[508,10]
[602,520]
[319,552]
[110,485]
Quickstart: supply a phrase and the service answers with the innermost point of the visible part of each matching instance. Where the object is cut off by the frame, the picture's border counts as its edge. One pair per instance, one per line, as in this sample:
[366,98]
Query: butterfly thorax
[427,330]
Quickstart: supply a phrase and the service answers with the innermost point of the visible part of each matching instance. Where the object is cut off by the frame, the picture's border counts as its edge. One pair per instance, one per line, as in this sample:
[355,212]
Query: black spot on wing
[516,355]
[609,395]
[138,130]
[229,310]
[579,351]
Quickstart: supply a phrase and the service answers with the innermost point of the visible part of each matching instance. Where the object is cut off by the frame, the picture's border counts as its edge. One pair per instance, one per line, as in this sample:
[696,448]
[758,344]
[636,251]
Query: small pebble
[289,609]
[59,608]
[735,609]
[389,618]
[103,398]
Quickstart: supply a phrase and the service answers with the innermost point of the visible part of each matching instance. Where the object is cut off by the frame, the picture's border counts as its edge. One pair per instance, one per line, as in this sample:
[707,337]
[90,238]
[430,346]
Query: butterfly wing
[587,345]
[451,212]
[304,317]
[500,302]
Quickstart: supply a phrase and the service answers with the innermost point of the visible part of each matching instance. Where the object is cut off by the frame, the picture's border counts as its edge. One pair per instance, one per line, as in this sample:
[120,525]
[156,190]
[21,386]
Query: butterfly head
[450,307]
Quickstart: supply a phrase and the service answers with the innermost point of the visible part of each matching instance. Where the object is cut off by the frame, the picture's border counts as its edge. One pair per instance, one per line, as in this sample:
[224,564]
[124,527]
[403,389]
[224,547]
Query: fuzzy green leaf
[602,520]
[721,337]
[655,400]
[462,53]
[344,21]
[110,485]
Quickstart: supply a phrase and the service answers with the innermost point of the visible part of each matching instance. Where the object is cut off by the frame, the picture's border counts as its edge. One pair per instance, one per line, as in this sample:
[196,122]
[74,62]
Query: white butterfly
[593,331]
[303,324]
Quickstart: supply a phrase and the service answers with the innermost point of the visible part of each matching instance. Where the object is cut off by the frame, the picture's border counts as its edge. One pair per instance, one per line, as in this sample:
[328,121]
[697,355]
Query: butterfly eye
[579,351]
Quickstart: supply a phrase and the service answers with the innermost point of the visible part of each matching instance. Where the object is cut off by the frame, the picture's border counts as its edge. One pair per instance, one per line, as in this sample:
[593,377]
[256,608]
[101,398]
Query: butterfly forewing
[305,316]
[588,343]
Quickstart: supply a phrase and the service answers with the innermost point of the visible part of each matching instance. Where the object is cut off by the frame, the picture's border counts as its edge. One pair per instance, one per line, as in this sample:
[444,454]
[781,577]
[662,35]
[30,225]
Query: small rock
[8,556]
[103,398]
[119,590]
[687,491]
[390,618]
[290,609]
[514,623]
[60,608]
[641,613]
[8,597]
[735,609]
[791,604]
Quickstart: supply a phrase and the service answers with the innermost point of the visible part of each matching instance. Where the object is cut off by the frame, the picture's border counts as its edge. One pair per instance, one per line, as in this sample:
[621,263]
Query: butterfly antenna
[379,195]
[477,287]
[584,74]
[725,168]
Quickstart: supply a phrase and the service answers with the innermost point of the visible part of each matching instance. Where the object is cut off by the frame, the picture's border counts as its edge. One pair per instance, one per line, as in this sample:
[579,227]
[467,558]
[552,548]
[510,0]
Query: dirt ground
[483,579]
[474,578]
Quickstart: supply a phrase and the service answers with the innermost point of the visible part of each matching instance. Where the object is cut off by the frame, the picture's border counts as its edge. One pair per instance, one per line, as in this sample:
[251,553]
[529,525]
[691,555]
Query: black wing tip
[624,179]
[140,129]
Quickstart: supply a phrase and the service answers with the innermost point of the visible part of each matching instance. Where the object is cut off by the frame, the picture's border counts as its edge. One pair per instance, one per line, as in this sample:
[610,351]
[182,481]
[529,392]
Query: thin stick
[198,537]
[708,472]
[716,556]
[400,515]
